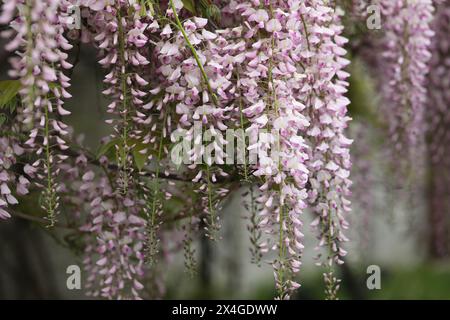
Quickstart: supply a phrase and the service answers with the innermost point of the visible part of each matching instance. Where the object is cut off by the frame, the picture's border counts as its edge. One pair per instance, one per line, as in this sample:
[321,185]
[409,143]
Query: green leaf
[106,148]
[2,119]
[8,91]
[213,12]
[147,4]
[189,5]
[140,159]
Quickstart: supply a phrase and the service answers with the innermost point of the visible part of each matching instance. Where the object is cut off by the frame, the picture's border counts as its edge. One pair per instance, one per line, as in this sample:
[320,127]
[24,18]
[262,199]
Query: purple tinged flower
[4,214]
[40,45]
[4,189]
[101,262]
[273,25]
[437,125]
[405,61]
[9,150]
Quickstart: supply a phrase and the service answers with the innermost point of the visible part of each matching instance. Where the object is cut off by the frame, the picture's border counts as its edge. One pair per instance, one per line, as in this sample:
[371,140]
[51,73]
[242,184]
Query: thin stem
[306,32]
[124,88]
[49,197]
[24,216]
[158,168]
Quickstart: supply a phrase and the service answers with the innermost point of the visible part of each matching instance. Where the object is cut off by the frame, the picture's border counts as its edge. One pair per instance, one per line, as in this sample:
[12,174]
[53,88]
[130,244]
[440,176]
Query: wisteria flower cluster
[407,52]
[437,126]
[272,71]
[9,151]
[41,45]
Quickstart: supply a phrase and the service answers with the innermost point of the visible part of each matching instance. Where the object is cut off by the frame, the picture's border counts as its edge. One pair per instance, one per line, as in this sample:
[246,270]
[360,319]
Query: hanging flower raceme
[405,64]
[322,56]
[292,78]
[114,253]
[438,131]
[269,80]
[364,167]
[40,44]
[195,89]
[119,32]
[10,150]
